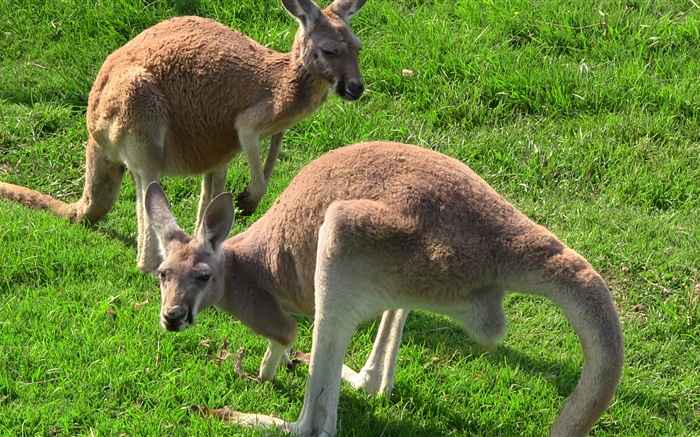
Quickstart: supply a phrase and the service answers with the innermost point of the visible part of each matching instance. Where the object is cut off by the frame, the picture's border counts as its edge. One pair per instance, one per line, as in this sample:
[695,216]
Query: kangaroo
[188,94]
[383,227]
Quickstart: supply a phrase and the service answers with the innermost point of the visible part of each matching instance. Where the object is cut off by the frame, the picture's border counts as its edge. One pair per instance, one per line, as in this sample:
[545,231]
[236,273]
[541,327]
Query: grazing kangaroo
[186,95]
[375,227]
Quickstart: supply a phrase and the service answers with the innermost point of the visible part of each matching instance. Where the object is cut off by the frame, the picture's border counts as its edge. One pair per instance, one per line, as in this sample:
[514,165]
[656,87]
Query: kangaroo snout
[350,90]
[176,319]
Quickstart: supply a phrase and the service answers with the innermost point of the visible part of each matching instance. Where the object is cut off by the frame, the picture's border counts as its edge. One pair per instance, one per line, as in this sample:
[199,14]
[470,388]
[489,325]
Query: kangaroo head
[327,46]
[192,274]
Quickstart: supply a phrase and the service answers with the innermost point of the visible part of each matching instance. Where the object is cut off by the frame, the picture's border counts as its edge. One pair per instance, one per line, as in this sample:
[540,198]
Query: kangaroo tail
[586,301]
[36,200]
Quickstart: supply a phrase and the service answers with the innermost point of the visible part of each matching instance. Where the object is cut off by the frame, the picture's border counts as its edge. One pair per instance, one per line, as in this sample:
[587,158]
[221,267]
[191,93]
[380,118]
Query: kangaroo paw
[298,358]
[246,203]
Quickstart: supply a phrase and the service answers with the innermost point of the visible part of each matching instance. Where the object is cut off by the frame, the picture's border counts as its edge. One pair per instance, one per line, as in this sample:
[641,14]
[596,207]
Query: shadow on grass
[357,413]
[125,239]
[75,100]
[186,7]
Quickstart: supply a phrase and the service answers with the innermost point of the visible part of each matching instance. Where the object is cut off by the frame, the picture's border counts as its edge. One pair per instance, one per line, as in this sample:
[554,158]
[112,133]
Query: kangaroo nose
[173,320]
[351,90]
[355,89]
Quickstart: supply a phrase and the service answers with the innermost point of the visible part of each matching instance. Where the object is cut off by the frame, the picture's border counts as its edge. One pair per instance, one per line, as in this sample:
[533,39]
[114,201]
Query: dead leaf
[139,305]
[639,308]
[238,365]
[224,354]
[224,413]
[207,342]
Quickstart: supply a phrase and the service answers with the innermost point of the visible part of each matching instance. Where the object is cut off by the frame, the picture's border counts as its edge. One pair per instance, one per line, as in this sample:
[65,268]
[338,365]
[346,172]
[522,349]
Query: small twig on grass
[694,296]
[603,24]
[454,354]
[139,305]
[39,382]
[565,26]
[157,352]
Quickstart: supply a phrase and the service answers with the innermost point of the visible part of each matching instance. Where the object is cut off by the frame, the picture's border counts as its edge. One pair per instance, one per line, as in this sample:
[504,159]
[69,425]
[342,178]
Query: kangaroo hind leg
[103,181]
[377,375]
[103,178]
[128,119]
[213,184]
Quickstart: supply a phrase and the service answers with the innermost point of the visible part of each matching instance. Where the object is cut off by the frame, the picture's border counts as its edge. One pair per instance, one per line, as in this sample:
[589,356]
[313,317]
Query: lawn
[586,116]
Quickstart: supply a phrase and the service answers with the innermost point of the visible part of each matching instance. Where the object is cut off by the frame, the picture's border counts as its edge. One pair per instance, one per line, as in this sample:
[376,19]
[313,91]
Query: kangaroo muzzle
[350,90]
[177,319]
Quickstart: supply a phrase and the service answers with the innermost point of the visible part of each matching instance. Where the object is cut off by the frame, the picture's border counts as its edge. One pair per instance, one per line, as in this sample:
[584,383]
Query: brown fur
[188,94]
[384,226]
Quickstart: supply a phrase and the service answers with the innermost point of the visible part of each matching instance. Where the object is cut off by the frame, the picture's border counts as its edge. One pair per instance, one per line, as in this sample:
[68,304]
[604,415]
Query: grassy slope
[588,123]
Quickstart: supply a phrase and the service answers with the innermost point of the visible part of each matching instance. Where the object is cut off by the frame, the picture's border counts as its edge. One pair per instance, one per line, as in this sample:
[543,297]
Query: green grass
[585,115]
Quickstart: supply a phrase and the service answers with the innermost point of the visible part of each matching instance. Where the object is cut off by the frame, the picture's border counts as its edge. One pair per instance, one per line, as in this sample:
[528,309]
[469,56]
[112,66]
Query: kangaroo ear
[305,11]
[345,9]
[162,220]
[217,222]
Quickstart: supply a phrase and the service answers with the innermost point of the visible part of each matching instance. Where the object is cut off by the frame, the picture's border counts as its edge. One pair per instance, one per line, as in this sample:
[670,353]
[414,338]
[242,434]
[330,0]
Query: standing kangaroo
[376,227]
[188,94]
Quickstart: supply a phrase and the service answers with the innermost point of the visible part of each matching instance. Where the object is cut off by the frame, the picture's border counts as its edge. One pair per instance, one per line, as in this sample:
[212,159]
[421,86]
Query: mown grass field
[584,115]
